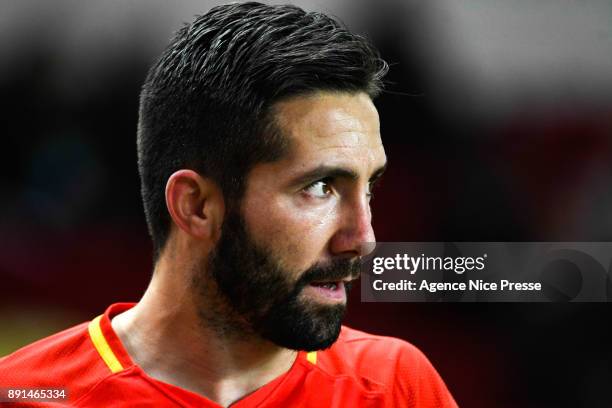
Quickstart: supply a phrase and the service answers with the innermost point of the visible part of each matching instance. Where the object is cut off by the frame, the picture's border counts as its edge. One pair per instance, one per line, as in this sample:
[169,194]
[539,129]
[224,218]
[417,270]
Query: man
[258,146]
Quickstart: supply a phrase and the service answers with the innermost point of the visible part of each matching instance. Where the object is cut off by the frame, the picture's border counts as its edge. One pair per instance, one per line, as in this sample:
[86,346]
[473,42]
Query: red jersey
[358,370]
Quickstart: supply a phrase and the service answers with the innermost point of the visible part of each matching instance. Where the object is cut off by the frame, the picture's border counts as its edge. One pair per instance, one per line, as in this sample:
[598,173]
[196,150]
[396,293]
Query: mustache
[336,270]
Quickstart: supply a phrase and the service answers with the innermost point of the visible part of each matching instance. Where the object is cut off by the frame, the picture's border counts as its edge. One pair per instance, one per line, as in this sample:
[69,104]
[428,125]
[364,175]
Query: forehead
[328,126]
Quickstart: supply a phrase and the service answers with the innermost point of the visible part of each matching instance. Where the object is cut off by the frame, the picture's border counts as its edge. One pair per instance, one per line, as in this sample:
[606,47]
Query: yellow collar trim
[312,357]
[101,345]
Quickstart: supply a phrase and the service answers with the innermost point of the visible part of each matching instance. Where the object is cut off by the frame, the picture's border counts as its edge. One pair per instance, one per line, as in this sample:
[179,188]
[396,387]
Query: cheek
[297,234]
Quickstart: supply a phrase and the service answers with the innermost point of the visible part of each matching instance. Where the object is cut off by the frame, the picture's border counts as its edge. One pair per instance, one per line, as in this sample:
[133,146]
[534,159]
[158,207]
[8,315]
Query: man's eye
[319,188]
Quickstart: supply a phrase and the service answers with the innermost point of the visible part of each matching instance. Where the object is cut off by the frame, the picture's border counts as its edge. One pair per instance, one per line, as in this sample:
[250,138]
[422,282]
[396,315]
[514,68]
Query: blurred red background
[497,122]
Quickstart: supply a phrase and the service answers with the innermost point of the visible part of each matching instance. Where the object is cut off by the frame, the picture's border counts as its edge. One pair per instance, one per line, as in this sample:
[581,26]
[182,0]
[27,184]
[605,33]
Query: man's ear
[195,204]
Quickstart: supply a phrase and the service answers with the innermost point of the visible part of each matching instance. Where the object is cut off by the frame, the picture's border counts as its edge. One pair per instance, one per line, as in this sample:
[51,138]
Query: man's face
[285,261]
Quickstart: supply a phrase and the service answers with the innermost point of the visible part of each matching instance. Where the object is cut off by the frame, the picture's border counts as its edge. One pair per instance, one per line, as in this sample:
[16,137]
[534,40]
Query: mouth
[329,291]
[332,284]
[327,285]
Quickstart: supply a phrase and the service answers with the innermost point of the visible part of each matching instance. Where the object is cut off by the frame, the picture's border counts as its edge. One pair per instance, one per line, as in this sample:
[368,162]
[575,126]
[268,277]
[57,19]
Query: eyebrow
[378,173]
[324,171]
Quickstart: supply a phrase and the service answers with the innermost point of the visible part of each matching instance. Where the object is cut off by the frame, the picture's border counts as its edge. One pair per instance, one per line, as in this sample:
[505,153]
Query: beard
[245,290]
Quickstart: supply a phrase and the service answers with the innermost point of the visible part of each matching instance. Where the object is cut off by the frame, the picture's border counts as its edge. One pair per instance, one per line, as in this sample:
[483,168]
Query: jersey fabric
[358,370]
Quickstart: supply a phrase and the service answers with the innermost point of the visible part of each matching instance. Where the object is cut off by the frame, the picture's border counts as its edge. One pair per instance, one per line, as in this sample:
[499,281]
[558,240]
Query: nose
[354,235]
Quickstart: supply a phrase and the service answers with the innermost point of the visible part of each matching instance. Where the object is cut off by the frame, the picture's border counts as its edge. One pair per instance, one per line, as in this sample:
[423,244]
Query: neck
[167,335]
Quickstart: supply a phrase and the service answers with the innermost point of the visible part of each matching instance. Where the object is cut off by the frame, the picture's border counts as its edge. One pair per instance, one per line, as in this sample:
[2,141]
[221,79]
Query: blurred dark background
[497,122]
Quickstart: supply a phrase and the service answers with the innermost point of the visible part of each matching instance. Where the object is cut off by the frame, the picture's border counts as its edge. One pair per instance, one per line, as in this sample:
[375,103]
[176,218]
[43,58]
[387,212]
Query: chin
[314,327]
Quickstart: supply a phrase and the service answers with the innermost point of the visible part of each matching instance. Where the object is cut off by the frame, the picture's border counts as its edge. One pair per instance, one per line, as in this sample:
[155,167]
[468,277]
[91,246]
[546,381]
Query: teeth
[327,285]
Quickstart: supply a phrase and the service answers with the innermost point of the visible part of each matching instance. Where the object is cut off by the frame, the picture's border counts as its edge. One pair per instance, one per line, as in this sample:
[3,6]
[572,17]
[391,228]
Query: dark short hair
[206,102]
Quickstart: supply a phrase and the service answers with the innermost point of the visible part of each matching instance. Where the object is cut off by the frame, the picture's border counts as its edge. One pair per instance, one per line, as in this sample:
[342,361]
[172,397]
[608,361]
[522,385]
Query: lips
[332,283]
[333,292]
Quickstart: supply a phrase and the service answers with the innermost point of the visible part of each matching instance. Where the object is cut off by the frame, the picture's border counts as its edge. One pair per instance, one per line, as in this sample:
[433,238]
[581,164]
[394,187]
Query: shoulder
[378,357]
[396,365]
[67,359]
